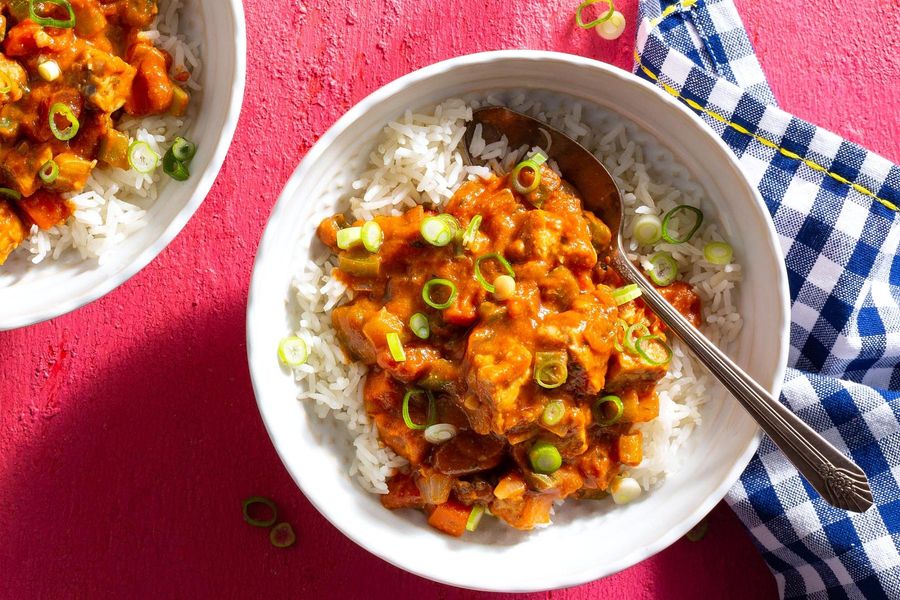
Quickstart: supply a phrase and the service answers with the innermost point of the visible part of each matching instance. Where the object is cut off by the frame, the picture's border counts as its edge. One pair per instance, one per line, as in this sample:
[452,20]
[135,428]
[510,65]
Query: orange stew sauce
[477,367]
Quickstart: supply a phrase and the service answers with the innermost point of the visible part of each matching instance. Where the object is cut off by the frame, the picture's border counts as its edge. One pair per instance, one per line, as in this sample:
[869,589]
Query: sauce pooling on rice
[506,361]
[68,70]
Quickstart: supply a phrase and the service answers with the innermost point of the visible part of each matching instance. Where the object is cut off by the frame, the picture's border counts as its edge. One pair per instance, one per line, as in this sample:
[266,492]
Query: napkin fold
[835,208]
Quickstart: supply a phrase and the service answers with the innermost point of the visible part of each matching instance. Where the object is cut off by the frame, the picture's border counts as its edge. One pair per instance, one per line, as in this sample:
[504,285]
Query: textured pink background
[128,430]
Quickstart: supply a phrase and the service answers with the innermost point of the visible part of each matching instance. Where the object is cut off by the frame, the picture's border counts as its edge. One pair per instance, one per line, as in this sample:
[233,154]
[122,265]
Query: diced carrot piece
[630,449]
[45,209]
[450,517]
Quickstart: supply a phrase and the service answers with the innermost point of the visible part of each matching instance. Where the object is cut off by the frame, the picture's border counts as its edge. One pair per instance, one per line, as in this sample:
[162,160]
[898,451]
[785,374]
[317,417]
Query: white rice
[114,203]
[417,160]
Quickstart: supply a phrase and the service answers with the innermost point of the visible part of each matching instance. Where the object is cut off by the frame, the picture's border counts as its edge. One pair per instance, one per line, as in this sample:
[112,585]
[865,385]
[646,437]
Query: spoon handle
[838,480]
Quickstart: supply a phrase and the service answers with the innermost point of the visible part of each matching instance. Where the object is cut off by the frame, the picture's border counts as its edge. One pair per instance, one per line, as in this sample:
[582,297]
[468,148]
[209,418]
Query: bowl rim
[203,186]
[266,248]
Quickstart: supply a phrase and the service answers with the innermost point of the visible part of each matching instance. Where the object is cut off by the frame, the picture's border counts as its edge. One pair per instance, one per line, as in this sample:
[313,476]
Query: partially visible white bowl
[52,288]
[586,544]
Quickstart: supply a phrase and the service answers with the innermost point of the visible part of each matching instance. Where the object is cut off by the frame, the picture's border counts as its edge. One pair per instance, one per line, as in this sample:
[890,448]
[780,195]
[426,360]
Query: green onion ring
[142,158]
[293,351]
[664,269]
[253,500]
[174,168]
[183,150]
[418,324]
[698,214]
[622,326]
[396,346]
[534,164]
[426,293]
[626,293]
[630,339]
[600,408]
[372,236]
[49,22]
[10,194]
[602,19]
[49,172]
[348,237]
[545,458]
[472,230]
[718,253]
[550,369]
[642,341]
[474,517]
[553,413]
[503,262]
[437,231]
[61,110]
[405,410]
[282,535]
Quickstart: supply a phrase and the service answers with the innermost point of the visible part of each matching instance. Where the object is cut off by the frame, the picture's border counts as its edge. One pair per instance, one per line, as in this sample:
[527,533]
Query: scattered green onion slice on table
[550,369]
[349,237]
[418,324]
[649,348]
[471,231]
[183,149]
[667,222]
[142,158]
[503,263]
[293,351]
[532,164]
[602,412]
[405,410]
[43,21]
[60,110]
[475,517]
[282,535]
[664,269]
[49,172]
[427,292]
[613,28]
[630,337]
[253,501]
[10,194]
[372,236]
[544,458]
[440,433]
[647,229]
[553,413]
[579,19]
[718,253]
[437,231]
[626,293]
[396,346]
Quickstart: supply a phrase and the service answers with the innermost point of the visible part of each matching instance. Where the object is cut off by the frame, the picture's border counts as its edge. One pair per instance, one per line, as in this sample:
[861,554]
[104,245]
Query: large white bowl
[33,293]
[585,542]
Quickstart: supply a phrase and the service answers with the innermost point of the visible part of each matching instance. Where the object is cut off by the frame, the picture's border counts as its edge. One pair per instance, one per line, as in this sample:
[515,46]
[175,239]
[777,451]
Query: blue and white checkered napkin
[834,205]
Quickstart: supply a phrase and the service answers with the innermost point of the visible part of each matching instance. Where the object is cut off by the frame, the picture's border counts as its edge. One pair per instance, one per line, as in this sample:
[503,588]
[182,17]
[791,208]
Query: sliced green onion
[550,370]
[440,433]
[183,150]
[62,111]
[142,158]
[630,337]
[437,231]
[622,326]
[10,194]
[372,236]
[471,231]
[532,164]
[405,410]
[626,293]
[664,269]
[544,458]
[47,21]
[49,172]
[698,220]
[601,410]
[349,237]
[718,253]
[418,323]
[475,517]
[396,346]
[293,351]
[647,229]
[282,535]
[439,283]
[174,168]
[253,501]
[553,413]
[579,20]
[480,277]
[644,346]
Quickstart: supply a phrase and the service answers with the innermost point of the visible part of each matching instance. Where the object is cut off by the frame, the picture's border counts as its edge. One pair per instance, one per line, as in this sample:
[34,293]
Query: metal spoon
[838,480]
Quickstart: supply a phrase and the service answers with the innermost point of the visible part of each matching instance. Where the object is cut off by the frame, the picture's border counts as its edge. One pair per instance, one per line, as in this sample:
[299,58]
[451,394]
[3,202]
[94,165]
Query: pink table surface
[128,429]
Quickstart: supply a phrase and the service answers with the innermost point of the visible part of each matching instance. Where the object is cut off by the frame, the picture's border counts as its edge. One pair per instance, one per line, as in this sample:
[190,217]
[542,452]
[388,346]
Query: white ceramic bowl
[34,293]
[585,542]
